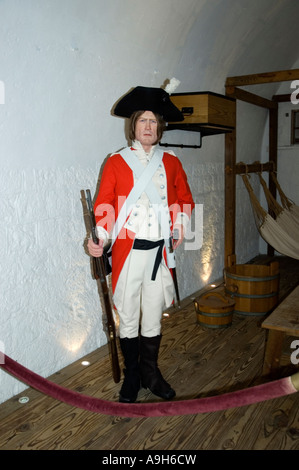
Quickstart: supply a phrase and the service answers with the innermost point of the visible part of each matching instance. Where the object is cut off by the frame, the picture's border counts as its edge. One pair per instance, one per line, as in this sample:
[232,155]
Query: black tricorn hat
[148,99]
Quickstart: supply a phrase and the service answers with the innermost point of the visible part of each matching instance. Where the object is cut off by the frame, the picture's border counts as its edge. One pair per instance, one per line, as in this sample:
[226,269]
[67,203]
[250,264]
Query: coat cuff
[102,234]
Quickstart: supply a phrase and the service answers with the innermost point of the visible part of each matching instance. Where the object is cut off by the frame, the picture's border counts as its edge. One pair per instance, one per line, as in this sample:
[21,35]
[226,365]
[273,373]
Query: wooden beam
[259,78]
[243,95]
[282,98]
[256,167]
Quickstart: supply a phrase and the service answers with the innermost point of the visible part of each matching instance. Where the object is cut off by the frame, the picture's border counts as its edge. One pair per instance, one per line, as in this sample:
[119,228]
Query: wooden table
[283,321]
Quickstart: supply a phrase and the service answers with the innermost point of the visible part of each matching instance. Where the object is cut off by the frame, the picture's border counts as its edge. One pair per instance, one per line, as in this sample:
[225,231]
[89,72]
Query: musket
[175,280]
[100,270]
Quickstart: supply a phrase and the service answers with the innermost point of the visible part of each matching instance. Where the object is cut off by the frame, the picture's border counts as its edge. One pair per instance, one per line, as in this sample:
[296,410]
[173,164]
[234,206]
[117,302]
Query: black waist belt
[140,244]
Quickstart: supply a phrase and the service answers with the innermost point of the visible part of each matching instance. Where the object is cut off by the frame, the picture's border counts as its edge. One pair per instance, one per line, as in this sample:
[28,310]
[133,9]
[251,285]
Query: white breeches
[142,300]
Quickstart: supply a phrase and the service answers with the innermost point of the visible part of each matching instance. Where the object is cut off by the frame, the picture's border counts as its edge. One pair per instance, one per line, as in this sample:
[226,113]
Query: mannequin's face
[146,130]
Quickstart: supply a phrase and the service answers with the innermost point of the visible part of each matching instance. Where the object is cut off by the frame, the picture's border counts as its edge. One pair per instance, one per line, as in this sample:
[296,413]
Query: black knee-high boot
[131,384]
[150,374]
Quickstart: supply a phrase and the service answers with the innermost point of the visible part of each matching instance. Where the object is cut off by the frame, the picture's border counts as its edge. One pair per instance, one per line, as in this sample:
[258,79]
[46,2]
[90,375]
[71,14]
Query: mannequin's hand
[94,249]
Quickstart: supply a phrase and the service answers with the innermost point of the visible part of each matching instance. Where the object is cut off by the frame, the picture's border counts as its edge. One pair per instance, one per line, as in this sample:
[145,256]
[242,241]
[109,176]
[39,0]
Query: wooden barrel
[214,310]
[253,287]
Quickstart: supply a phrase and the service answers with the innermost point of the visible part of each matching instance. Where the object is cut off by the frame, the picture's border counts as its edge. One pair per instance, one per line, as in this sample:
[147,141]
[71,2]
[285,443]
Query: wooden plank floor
[197,362]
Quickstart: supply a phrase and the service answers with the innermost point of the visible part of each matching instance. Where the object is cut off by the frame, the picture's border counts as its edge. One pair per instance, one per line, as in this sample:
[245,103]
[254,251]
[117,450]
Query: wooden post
[273,130]
[230,196]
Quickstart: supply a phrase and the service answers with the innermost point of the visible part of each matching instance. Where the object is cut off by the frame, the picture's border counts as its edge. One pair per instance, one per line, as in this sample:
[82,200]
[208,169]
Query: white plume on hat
[172,85]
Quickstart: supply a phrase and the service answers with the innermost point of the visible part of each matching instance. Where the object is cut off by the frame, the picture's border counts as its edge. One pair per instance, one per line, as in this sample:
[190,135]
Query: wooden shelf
[204,129]
[205,112]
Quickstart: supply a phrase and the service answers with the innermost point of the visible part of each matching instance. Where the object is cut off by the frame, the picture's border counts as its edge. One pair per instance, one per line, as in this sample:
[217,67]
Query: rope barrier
[256,394]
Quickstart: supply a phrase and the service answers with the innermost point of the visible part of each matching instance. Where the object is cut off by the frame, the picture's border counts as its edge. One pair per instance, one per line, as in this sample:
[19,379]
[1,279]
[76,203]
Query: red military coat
[116,183]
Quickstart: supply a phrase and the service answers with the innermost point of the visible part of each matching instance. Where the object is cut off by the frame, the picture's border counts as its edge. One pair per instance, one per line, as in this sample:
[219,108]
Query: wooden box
[205,109]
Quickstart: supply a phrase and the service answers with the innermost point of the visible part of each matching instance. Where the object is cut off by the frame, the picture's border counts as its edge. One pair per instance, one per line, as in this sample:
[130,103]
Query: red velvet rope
[259,393]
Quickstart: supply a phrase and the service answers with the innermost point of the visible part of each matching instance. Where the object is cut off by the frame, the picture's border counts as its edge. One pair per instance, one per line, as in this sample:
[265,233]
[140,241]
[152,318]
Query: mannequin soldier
[143,196]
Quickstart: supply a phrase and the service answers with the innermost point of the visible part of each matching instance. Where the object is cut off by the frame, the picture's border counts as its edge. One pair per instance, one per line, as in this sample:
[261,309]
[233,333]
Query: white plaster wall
[64,64]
